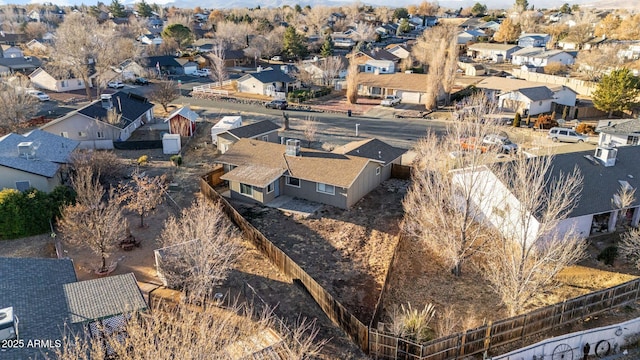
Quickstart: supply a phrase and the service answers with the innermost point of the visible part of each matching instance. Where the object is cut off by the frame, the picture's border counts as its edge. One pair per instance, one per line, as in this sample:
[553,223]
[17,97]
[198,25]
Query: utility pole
[357,129]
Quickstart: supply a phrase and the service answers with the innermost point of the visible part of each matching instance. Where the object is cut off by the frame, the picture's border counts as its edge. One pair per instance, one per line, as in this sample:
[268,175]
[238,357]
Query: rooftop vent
[293,147]
[8,324]
[606,155]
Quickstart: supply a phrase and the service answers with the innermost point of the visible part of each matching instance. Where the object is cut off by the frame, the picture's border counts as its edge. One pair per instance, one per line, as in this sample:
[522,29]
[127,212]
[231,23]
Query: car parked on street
[566,135]
[115,84]
[203,72]
[277,104]
[141,81]
[39,94]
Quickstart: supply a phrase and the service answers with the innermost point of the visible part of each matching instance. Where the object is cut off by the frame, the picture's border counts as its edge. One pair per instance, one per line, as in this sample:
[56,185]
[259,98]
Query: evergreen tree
[516,120]
[327,47]
[479,9]
[117,9]
[616,91]
[178,32]
[144,9]
[293,44]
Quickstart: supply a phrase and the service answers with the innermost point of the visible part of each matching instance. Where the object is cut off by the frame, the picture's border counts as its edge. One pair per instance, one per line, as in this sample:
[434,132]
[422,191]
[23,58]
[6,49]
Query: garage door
[409,97]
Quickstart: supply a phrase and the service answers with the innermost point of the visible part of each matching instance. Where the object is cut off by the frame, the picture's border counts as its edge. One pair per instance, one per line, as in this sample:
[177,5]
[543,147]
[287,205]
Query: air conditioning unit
[8,324]
[26,150]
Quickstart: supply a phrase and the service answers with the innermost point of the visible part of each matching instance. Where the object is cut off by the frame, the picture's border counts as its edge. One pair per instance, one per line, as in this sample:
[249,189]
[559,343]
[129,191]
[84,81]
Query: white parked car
[39,94]
[203,72]
[500,143]
[390,100]
[276,58]
[115,84]
[566,135]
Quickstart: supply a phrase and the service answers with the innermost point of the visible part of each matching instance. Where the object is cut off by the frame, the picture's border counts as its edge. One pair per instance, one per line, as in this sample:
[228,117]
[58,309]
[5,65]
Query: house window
[270,188]
[23,185]
[265,138]
[82,134]
[246,190]
[100,134]
[292,181]
[368,69]
[378,170]
[632,140]
[79,82]
[376,91]
[325,188]
[63,83]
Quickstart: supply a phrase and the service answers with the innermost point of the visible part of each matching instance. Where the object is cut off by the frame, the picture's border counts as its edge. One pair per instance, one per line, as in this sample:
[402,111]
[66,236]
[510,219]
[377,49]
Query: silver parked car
[566,135]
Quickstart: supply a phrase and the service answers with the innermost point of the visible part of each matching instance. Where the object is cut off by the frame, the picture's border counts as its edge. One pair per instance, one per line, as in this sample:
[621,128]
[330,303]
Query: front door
[276,188]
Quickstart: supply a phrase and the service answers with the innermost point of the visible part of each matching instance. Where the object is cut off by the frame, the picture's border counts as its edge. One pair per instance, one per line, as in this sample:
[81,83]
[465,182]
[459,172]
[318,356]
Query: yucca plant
[413,323]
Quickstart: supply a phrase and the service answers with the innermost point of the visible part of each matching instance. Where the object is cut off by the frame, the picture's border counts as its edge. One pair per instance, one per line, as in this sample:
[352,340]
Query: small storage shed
[171,144]
[226,123]
[182,121]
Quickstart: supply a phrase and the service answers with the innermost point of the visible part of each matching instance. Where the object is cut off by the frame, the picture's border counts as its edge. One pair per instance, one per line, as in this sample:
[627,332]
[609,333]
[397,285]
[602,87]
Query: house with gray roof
[620,133]
[604,172]
[493,51]
[170,65]
[262,130]
[531,101]
[36,159]
[374,149]
[541,57]
[260,171]
[45,300]
[110,119]
[23,65]
[269,82]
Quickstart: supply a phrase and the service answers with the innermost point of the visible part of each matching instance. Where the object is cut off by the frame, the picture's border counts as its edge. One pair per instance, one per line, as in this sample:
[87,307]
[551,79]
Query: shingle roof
[33,287]
[537,93]
[131,107]
[102,298]
[164,60]
[397,81]
[380,54]
[506,85]
[52,151]
[312,165]
[255,175]
[255,129]
[371,149]
[492,46]
[21,63]
[628,127]
[269,76]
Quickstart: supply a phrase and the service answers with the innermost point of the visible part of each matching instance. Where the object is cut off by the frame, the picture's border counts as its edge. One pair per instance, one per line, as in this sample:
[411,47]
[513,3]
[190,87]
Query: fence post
[524,323]
[461,341]
[487,337]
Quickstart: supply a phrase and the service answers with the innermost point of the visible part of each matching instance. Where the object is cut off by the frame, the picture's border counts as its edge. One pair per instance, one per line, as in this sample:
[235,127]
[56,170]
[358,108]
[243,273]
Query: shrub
[413,323]
[583,128]
[28,213]
[142,160]
[608,255]
[516,120]
[176,160]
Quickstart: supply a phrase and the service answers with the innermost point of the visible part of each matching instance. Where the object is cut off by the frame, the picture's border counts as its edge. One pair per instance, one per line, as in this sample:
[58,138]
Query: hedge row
[28,213]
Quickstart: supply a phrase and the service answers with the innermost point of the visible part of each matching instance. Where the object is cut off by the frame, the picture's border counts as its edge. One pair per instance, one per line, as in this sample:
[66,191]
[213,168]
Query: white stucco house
[620,133]
[270,82]
[98,125]
[536,100]
[541,57]
[605,172]
[378,67]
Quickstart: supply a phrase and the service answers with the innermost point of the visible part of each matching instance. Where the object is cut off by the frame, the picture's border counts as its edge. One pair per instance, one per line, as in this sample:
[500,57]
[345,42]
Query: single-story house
[261,171]
[270,82]
[170,65]
[467,36]
[24,65]
[343,39]
[363,57]
[604,173]
[376,150]
[113,117]
[42,79]
[493,51]
[8,51]
[263,130]
[231,58]
[533,40]
[130,69]
[43,301]
[411,88]
[621,133]
[150,39]
[531,101]
[378,67]
[36,159]
[541,57]
[182,121]
[490,25]
[386,30]
[402,51]
[494,86]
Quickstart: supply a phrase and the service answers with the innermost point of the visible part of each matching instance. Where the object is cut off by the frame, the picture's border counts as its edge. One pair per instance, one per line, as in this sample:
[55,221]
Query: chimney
[606,155]
[8,324]
[107,103]
[293,147]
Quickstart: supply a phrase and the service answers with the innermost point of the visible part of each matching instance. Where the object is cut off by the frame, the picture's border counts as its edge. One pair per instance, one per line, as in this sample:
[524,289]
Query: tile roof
[102,298]
[371,149]
[537,93]
[52,151]
[131,107]
[268,76]
[255,129]
[312,165]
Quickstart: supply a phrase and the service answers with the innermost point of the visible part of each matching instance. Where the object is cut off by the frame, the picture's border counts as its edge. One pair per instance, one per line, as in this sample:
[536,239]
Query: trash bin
[349,113]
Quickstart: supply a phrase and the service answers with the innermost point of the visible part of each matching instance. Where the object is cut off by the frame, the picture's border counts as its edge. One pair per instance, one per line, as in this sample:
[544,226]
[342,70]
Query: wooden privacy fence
[355,329]
[506,331]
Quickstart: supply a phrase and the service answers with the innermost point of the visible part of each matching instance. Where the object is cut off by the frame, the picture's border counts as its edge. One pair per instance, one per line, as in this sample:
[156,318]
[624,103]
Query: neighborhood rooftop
[130,106]
[255,129]
[50,151]
[269,75]
[537,93]
[371,149]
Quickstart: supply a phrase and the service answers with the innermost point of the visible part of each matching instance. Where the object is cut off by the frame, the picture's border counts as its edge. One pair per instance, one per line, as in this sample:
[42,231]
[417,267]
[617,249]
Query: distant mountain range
[454,4]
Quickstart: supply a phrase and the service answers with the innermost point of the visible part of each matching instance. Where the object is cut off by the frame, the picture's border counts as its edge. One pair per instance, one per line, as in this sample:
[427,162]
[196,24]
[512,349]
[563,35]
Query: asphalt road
[332,128]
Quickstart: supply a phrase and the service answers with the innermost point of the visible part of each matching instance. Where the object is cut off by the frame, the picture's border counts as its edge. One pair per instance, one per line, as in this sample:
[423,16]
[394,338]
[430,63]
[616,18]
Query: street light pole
[357,129]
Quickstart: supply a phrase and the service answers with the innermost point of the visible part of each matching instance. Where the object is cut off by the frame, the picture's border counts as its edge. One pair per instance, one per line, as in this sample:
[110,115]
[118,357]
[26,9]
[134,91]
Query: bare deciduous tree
[316,18]
[17,105]
[165,92]
[218,66]
[234,35]
[105,163]
[531,252]
[594,63]
[629,246]
[309,129]
[436,200]
[201,247]
[352,79]
[96,219]
[554,68]
[143,194]
[331,68]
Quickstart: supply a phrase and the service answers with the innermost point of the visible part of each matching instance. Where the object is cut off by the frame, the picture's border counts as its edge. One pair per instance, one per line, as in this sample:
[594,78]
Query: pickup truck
[390,100]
